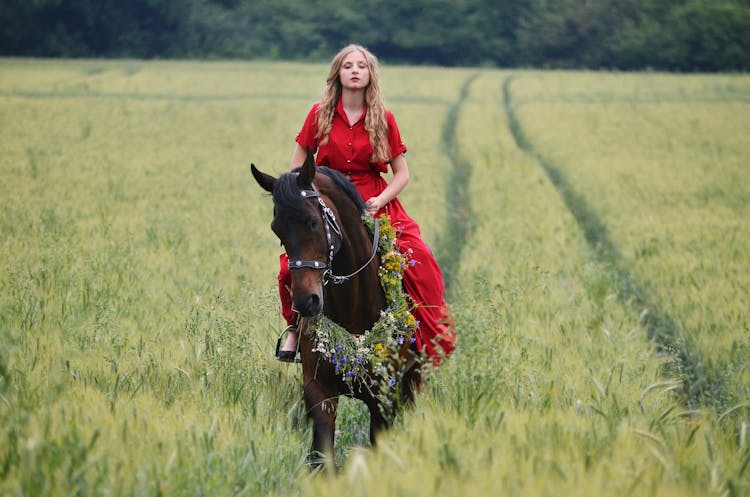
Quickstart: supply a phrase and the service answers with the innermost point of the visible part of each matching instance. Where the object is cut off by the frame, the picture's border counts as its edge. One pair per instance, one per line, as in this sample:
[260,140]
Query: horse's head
[308,235]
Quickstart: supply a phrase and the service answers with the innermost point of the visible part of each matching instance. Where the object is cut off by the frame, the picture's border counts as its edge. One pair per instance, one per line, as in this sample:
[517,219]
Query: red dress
[348,150]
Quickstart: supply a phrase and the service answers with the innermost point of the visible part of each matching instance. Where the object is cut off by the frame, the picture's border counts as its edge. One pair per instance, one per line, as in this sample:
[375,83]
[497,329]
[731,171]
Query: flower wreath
[351,354]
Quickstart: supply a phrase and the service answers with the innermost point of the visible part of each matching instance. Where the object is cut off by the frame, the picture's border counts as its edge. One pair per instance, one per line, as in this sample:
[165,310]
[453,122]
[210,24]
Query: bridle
[331,225]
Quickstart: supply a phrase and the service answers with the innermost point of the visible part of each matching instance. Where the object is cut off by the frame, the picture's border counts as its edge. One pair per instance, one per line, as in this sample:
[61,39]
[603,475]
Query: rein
[330,224]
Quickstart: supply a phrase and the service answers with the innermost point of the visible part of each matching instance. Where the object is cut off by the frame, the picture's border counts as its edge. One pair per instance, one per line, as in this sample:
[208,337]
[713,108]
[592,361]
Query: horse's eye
[313,224]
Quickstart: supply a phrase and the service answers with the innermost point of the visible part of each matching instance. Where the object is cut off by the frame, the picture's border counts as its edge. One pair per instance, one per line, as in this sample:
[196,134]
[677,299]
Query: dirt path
[450,246]
[700,387]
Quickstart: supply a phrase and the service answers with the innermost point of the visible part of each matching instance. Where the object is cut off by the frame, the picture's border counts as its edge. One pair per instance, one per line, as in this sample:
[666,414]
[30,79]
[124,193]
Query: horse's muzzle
[310,305]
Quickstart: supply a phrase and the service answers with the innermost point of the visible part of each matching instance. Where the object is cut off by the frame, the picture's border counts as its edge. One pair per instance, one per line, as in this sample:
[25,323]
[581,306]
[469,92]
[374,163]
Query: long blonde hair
[375,122]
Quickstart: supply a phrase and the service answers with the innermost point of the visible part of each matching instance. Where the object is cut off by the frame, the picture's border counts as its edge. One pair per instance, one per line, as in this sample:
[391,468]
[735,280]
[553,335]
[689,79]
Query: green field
[590,226]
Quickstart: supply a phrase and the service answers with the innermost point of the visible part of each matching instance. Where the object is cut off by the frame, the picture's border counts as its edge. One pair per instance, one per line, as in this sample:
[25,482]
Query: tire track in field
[700,386]
[450,245]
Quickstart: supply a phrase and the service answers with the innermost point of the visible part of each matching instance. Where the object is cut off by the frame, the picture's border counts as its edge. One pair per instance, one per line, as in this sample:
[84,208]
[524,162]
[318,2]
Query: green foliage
[685,35]
[692,35]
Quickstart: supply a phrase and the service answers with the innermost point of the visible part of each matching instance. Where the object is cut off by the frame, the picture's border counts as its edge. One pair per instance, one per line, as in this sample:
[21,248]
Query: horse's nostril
[312,305]
[313,302]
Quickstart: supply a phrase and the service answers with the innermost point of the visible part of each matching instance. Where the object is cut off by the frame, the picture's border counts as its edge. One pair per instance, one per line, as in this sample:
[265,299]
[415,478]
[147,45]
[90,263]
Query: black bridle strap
[337,280]
[329,221]
[298,264]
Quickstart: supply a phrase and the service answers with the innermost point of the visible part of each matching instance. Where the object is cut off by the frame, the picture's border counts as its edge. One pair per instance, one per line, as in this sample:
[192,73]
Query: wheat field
[591,227]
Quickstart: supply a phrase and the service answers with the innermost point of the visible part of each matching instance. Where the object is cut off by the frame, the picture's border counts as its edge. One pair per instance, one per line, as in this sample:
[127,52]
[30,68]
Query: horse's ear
[307,172]
[265,181]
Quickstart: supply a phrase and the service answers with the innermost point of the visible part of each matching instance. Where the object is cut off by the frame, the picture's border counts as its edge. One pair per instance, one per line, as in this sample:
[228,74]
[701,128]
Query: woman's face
[354,73]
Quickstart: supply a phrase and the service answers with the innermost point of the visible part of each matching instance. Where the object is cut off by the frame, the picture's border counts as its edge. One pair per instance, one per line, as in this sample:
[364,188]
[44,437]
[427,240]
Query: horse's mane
[346,185]
[286,191]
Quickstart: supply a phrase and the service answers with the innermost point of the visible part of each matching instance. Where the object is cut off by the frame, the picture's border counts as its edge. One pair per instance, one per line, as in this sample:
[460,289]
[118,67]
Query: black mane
[346,185]
[286,191]
[286,194]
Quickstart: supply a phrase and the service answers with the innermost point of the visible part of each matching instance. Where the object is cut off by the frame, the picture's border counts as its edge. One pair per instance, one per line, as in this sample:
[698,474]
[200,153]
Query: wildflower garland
[352,354]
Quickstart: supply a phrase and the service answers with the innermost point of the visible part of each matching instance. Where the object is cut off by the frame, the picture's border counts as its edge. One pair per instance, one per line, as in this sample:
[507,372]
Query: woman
[354,133]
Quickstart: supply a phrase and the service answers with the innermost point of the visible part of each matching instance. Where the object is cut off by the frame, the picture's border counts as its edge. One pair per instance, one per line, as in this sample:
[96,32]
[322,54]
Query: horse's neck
[355,304]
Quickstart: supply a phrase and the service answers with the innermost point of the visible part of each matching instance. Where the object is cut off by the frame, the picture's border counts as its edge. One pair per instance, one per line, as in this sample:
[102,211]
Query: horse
[318,219]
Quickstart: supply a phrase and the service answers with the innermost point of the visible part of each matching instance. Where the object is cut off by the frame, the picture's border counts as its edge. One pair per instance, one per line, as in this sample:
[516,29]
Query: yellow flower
[392,262]
[379,351]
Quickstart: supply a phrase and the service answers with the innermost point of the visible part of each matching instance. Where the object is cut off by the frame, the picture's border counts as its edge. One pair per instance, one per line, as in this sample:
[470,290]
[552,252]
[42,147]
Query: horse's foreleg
[411,385]
[383,407]
[378,424]
[381,416]
[321,408]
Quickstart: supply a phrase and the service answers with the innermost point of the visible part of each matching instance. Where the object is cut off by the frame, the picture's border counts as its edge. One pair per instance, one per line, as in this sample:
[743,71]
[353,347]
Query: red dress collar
[340,111]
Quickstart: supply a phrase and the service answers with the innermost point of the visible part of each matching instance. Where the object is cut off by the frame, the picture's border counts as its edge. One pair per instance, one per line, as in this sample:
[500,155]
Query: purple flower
[392,382]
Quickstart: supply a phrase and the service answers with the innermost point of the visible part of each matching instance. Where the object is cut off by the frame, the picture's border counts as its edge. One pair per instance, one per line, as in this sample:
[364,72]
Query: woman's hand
[397,184]
[374,204]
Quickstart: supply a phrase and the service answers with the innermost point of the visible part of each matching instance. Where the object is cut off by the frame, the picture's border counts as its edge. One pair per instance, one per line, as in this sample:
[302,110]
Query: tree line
[675,35]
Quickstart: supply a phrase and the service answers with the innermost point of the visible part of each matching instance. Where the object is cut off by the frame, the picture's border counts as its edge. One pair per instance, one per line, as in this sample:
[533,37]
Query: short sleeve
[306,136]
[395,142]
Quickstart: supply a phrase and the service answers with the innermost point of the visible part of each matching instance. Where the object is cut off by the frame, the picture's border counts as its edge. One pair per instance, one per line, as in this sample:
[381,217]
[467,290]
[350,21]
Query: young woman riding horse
[318,218]
[354,133]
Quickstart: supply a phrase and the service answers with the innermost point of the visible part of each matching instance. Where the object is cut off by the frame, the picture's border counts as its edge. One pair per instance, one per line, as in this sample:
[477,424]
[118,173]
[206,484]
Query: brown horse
[317,217]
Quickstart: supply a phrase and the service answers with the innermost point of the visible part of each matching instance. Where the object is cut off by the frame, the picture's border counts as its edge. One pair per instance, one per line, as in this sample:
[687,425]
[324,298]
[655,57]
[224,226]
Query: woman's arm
[399,181]
[298,156]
